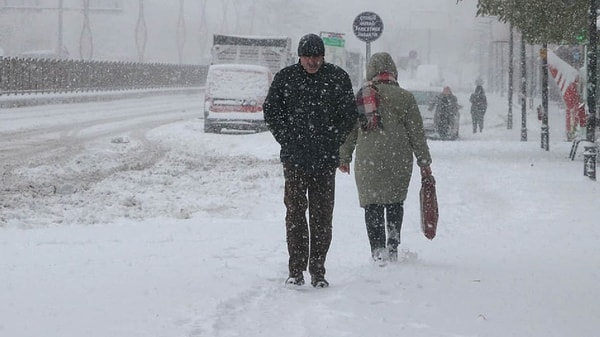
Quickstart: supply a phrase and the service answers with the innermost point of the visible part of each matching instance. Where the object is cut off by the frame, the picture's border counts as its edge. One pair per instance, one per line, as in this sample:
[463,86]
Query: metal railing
[19,76]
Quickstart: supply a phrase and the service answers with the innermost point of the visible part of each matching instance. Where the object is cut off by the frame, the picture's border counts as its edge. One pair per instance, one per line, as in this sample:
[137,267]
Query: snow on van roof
[255,36]
[238,81]
[252,40]
[241,67]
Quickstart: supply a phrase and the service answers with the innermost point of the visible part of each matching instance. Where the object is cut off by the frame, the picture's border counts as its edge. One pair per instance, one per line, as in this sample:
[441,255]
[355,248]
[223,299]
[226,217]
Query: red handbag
[429,207]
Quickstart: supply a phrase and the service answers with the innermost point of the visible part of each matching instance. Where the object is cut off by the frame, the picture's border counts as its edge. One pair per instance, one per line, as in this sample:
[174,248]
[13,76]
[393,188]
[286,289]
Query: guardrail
[21,76]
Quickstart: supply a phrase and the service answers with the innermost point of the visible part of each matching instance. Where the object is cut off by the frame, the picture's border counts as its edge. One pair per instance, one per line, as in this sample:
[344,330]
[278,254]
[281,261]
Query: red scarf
[387,78]
[368,101]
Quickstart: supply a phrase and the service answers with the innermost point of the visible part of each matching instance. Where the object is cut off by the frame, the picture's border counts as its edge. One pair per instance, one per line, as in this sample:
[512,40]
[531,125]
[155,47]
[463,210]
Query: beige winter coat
[383,162]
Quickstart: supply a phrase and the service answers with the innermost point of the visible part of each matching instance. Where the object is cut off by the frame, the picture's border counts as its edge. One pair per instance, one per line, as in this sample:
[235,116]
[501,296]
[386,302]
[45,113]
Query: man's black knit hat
[311,45]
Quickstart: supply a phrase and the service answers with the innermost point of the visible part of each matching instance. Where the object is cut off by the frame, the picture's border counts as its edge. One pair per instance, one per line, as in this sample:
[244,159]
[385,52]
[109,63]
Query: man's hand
[344,168]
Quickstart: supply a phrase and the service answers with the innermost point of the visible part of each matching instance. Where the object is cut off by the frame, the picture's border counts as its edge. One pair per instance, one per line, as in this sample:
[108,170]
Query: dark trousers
[443,128]
[477,122]
[308,243]
[375,219]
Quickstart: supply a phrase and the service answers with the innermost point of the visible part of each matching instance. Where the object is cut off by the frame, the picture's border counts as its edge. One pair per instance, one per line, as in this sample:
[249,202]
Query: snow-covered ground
[124,219]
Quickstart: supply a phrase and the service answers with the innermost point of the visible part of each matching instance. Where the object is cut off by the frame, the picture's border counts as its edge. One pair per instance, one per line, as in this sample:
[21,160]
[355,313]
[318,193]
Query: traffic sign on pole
[367,27]
[334,48]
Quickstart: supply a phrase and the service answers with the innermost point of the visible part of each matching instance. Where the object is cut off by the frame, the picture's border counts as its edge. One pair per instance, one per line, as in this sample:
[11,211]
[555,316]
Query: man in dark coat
[446,109]
[310,110]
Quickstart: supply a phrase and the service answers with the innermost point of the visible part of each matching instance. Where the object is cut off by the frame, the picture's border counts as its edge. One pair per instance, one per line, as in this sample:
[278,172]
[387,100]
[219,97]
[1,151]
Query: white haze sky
[440,30]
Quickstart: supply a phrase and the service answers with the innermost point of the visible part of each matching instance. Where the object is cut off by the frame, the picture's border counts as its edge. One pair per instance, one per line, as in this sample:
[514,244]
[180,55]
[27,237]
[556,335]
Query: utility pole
[511,43]
[86,43]
[523,91]
[545,128]
[59,44]
[180,33]
[141,32]
[590,150]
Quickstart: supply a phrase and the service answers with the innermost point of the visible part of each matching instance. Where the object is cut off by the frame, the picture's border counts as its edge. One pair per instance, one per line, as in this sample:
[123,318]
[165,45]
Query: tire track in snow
[43,165]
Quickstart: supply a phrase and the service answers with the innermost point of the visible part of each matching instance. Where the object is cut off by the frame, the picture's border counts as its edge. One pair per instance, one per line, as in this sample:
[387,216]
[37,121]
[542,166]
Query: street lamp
[180,33]
[141,32]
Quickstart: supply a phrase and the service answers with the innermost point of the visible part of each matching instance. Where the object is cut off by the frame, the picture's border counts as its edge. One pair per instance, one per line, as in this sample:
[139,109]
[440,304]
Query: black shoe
[295,280]
[319,282]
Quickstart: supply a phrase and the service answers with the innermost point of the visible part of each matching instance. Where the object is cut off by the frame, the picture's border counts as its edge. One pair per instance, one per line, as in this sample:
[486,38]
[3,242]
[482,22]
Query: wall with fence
[20,76]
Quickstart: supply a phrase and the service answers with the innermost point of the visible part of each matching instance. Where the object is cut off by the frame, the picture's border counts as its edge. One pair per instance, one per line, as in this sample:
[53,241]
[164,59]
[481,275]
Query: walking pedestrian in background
[446,112]
[478,108]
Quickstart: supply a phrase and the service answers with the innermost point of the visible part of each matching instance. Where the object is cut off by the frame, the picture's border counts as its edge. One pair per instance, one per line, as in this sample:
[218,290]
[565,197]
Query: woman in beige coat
[388,134]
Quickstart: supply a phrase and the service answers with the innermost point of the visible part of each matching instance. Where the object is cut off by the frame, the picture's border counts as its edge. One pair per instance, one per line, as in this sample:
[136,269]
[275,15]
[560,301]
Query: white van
[234,97]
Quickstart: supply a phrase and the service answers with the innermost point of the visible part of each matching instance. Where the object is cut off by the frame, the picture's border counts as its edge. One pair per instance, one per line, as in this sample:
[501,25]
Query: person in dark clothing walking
[310,110]
[478,108]
[446,109]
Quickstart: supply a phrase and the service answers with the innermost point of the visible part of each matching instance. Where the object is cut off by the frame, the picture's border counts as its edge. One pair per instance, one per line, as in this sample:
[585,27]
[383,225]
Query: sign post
[334,48]
[367,27]
[545,128]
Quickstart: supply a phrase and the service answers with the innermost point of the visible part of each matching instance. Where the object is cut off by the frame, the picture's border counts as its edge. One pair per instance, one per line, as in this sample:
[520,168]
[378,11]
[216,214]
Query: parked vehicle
[239,77]
[234,97]
[425,97]
[274,52]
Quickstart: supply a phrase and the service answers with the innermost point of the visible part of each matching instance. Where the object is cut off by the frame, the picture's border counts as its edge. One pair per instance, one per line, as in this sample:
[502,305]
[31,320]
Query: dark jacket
[446,107]
[478,101]
[310,115]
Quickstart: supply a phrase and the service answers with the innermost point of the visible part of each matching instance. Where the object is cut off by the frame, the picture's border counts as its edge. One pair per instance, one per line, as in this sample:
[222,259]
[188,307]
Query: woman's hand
[344,168]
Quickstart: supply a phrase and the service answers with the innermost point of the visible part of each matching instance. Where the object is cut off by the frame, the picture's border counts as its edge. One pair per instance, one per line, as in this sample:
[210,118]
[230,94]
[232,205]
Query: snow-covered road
[53,152]
[124,219]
